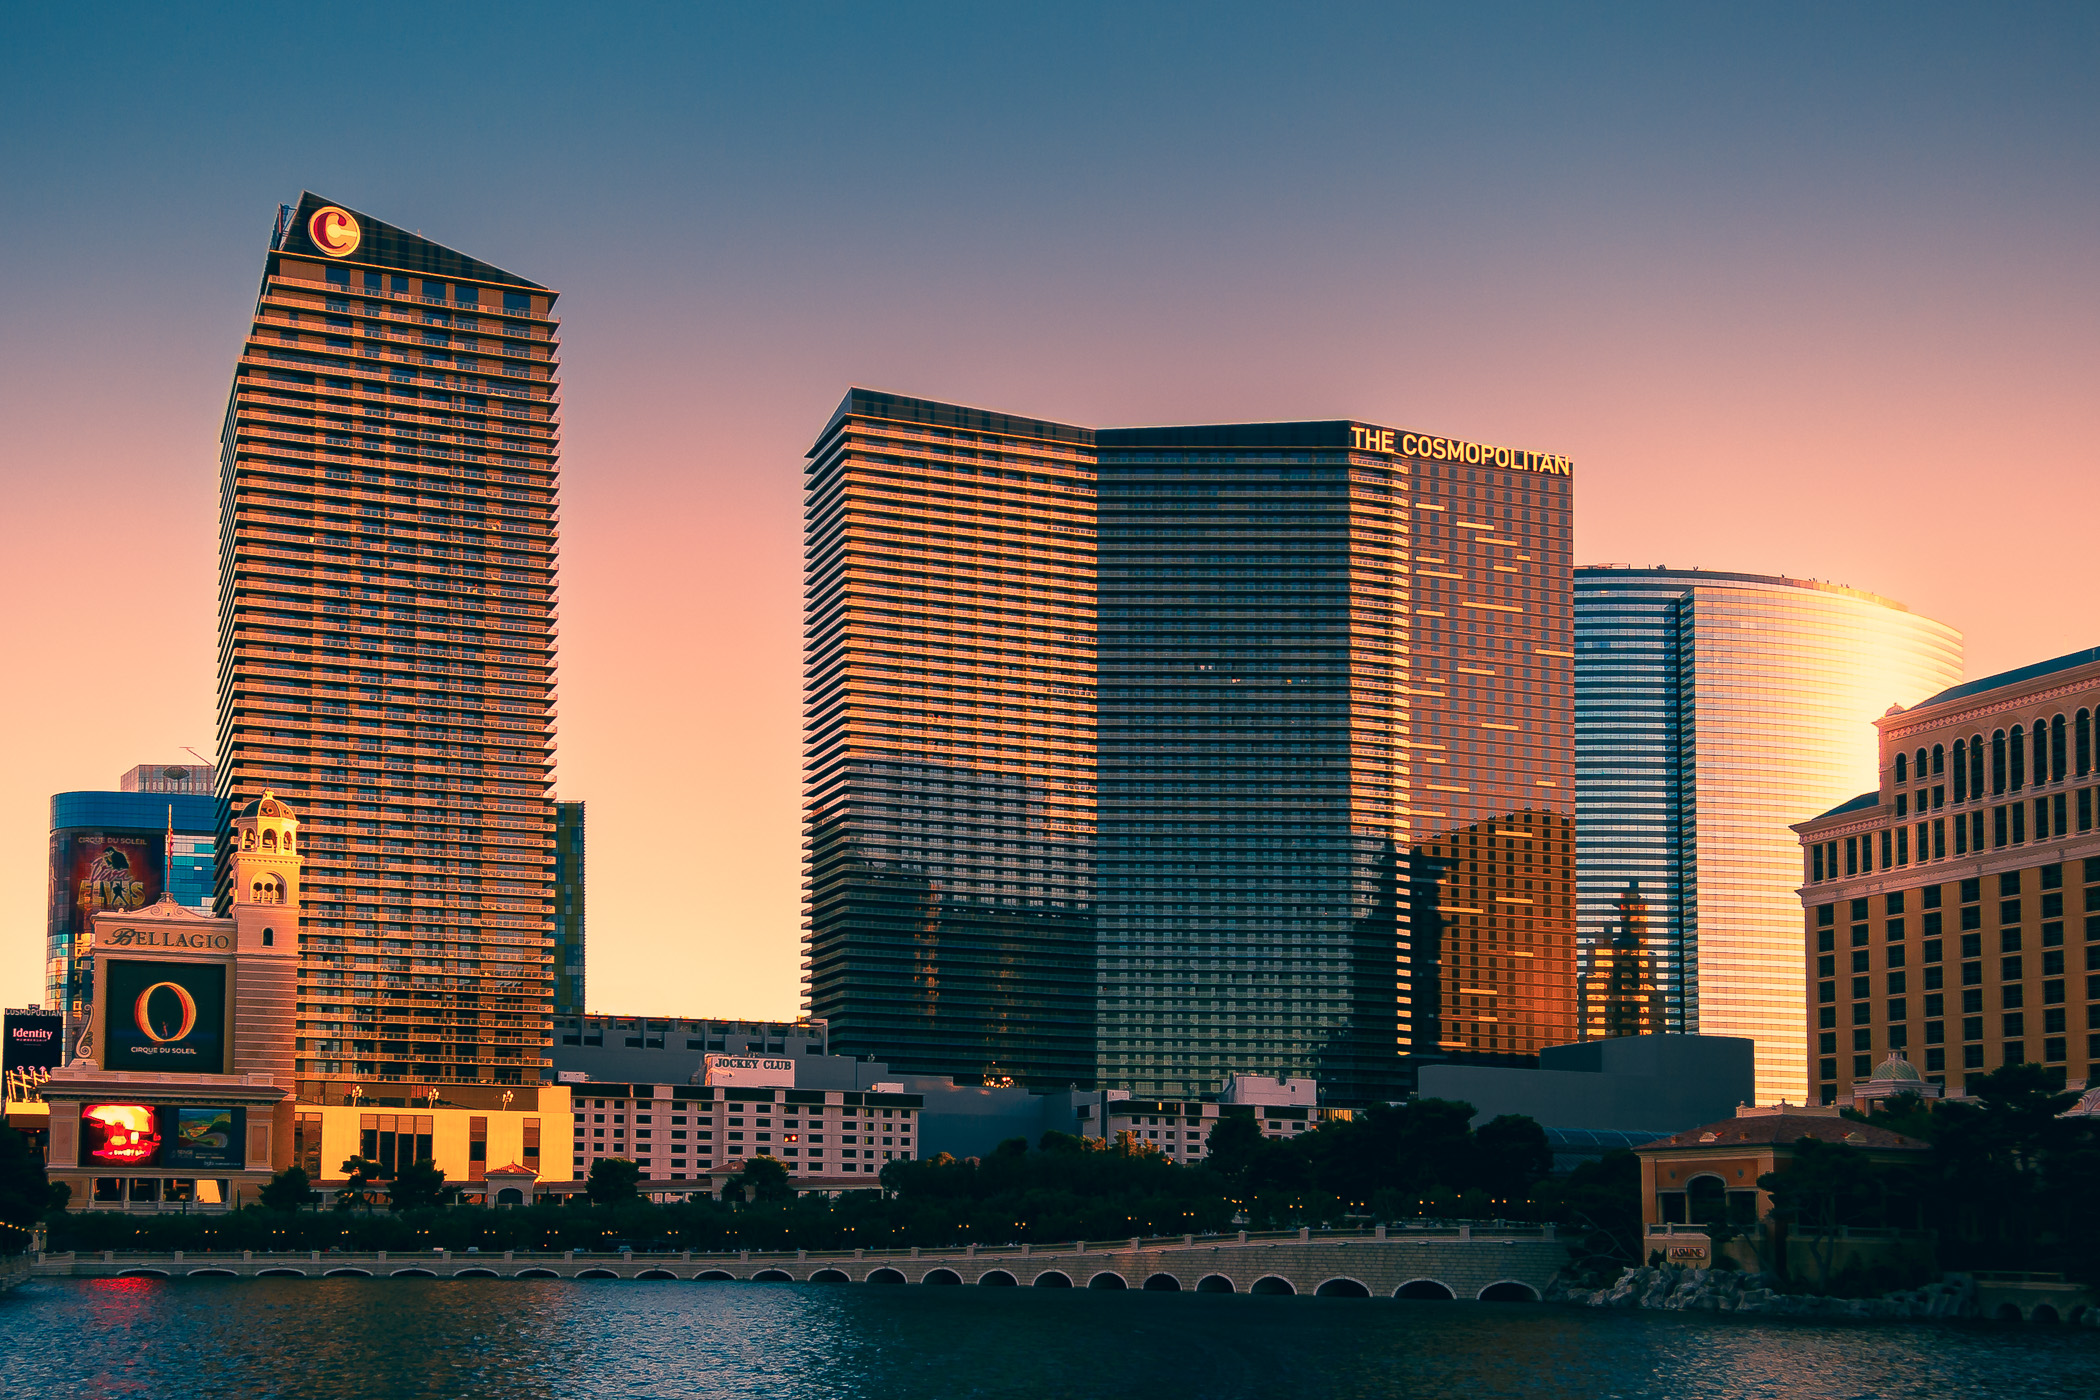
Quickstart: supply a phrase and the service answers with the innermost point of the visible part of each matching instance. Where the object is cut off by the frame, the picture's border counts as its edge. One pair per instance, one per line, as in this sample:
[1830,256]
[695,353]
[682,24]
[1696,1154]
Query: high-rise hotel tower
[1315,751]
[1712,709]
[386,648]
[1336,754]
[949,732]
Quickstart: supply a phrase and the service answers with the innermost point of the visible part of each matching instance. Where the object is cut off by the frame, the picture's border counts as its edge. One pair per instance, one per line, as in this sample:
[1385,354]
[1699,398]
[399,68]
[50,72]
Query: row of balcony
[547,318]
[368,363]
[495,345]
[498,388]
[336,446]
[251,444]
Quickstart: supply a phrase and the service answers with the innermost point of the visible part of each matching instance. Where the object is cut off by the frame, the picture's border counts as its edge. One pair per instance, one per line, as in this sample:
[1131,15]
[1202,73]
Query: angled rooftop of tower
[380,244]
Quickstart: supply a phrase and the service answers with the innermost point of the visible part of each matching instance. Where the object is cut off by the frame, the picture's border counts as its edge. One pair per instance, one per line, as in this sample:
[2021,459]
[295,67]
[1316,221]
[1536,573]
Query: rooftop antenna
[200,757]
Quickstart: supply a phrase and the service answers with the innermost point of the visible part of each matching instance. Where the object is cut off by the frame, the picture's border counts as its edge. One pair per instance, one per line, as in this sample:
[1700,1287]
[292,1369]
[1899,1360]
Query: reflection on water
[334,1339]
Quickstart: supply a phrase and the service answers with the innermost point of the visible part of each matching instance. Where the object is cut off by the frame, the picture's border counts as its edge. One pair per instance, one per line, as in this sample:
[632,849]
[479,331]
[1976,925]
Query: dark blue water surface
[327,1338]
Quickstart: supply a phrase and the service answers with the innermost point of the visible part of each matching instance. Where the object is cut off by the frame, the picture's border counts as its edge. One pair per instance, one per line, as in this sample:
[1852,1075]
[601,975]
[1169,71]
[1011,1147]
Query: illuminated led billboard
[34,1041]
[147,1135]
[165,1016]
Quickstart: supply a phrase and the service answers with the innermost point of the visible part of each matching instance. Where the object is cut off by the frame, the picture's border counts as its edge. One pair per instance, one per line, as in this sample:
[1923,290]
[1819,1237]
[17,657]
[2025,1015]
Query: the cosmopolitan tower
[1331,675]
[1712,710]
[949,737]
[387,520]
[1336,754]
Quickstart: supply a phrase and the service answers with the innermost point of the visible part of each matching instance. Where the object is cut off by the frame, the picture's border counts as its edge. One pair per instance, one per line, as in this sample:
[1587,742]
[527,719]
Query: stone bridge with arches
[1499,1264]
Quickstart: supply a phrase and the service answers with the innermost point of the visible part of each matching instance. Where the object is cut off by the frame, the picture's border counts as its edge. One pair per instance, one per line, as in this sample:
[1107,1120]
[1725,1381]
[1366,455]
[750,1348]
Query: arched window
[1939,759]
[2056,749]
[288,843]
[269,938]
[248,840]
[1921,765]
[2085,742]
[2041,752]
[269,840]
[2016,749]
[1900,778]
[1708,1199]
[1998,760]
[1975,765]
[1961,770]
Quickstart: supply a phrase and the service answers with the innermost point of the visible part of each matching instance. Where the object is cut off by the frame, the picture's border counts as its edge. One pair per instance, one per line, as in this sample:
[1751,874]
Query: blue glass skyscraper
[1711,711]
[114,850]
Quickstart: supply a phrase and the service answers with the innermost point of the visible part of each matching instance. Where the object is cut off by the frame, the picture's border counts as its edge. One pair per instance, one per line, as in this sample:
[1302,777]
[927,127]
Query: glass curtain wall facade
[388,526]
[1334,681]
[568,909]
[1725,706]
[949,740]
[1493,879]
[1253,614]
[1334,750]
[1633,752]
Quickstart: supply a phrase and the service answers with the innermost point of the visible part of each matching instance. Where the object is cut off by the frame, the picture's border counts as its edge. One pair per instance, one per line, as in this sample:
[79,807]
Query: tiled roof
[1787,1127]
[2014,677]
[1854,804]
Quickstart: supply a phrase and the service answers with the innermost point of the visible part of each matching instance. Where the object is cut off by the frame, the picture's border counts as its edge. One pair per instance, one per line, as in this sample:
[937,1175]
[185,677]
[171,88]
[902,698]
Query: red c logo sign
[334,231]
[145,1025]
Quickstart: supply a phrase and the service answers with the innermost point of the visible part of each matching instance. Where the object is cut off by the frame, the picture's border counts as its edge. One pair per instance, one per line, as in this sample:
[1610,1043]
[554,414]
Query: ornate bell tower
[266,859]
[266,864]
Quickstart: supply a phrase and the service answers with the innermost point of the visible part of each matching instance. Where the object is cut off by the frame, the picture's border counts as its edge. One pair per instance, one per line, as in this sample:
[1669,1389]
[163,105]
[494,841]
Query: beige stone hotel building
[179,1094]
[1952,917]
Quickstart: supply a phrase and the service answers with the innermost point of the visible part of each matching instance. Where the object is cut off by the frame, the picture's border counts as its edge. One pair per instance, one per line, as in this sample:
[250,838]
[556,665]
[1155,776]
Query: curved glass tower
[1712,710]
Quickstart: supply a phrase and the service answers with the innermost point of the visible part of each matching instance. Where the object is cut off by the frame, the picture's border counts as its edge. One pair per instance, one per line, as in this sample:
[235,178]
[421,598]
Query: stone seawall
[1754,1294]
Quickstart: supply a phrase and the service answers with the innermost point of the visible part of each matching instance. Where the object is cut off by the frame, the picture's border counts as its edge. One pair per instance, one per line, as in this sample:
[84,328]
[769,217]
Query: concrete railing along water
[1498,1264]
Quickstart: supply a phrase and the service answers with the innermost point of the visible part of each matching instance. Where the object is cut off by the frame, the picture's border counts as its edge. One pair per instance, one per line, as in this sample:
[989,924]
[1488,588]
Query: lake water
[360,1339]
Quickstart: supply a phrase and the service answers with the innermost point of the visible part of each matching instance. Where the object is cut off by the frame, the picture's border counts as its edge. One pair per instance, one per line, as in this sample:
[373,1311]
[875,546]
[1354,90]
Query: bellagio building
[386,648]
[1951,916]
[1149,756]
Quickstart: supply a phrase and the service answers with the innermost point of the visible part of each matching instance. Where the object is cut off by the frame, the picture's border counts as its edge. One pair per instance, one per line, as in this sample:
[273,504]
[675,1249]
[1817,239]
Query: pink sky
[1778,330]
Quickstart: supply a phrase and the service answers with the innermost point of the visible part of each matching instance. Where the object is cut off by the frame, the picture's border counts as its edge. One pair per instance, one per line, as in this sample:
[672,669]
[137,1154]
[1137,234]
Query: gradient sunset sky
[1801,289]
